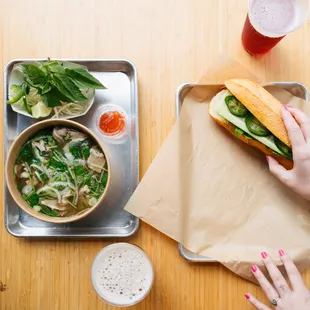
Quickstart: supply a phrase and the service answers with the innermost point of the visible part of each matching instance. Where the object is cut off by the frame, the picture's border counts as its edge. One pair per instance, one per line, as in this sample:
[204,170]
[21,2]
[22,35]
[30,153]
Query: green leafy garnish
[58,165]
[54,83]
[86,146]
[83,79]
[48,211]
[79,170]
[25,154]
[46,88]
[104,179]
[53,97]
[67,87]
[80,149]
[33,199]
[239,132]
[34,75]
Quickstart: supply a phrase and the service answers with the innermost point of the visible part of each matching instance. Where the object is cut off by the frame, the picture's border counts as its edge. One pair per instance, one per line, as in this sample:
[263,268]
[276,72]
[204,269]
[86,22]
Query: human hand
[297,124]
[281,295]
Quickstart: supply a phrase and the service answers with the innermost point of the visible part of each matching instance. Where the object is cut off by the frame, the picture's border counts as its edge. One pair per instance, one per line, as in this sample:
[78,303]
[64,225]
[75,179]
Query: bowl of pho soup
[57,171]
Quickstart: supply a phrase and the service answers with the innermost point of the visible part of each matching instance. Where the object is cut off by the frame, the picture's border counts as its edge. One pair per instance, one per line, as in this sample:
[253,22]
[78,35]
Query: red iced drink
[268,21]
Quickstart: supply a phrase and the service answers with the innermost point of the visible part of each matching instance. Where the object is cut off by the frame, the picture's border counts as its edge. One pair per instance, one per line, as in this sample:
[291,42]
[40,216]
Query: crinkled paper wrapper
[215,195]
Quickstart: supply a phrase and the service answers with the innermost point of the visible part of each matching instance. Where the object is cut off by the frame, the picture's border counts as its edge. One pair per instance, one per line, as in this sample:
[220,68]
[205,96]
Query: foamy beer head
[122,274]
[275,18]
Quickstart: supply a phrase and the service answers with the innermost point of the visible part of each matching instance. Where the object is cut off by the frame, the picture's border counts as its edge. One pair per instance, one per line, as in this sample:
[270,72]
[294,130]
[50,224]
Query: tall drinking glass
[269,21]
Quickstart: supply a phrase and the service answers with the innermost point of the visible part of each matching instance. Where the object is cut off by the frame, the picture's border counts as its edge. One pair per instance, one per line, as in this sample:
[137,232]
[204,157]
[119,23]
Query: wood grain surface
[170,42]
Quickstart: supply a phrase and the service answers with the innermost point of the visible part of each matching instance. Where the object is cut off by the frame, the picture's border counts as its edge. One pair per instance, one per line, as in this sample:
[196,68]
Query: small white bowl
[17,78]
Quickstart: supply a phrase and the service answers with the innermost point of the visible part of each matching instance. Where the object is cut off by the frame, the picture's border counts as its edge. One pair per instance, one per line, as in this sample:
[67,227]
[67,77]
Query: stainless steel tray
[295,88]
[110,219]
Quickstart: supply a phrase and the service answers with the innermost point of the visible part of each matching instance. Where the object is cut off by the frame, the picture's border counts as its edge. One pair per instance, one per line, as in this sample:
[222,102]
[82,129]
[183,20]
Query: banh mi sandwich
[253,115]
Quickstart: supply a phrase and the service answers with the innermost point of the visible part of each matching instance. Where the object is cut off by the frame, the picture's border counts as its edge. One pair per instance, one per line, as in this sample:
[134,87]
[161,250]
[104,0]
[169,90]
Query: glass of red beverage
[269,21]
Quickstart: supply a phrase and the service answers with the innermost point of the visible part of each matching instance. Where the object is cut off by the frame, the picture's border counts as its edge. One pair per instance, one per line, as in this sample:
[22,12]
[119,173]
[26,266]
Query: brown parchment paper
[215,195]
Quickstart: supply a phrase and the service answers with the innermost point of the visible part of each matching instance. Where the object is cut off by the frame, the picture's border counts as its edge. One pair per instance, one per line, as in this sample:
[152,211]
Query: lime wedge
[40,110]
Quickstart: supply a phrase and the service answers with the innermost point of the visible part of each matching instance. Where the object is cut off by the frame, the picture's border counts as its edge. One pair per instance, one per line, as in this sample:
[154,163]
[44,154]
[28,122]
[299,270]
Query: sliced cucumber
[287,151]
[221,108]
[256,127]
[235,106]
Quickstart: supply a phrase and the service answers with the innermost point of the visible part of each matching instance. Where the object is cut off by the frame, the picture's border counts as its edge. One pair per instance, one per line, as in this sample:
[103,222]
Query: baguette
[255,103]
[265,107]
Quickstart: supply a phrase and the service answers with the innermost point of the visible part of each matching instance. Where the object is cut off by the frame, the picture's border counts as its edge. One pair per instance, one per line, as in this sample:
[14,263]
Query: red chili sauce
[112,123]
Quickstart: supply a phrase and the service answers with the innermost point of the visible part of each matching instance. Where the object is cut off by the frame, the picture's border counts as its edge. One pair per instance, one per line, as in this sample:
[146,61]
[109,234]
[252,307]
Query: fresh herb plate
[66,91]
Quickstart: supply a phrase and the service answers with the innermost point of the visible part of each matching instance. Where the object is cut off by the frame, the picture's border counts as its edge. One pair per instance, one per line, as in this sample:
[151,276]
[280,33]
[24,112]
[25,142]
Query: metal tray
[110,219]
[295,88]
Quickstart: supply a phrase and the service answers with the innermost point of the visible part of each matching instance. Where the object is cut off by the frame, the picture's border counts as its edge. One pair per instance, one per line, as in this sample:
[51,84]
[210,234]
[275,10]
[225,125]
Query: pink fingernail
[254,268]
[263,254]
[289,106]
[284,107]
[267,158]
[247,296]
[281,253]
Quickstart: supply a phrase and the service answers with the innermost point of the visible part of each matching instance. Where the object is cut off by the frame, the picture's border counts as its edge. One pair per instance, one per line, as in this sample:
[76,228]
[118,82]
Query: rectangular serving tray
[295,88]
[110,219]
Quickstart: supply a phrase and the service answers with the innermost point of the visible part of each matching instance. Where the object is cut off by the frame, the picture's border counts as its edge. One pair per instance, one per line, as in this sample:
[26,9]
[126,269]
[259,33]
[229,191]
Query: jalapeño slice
[287,151]
[255,126]
[235,106]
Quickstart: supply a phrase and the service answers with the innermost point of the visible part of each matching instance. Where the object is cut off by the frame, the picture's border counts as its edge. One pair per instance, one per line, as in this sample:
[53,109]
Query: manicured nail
[254,268]
[290,106]
[263,254]
[284,107]
[281,253]
[247,296]
[267,158]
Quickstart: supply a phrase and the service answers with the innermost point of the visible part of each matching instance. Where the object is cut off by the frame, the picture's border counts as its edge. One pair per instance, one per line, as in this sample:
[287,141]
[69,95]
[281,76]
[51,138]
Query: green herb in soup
[61,172]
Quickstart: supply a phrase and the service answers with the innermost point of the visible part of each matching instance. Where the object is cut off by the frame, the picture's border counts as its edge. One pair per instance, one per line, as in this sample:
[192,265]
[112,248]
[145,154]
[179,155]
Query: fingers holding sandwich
[279,171]
[295,134]
[303,121]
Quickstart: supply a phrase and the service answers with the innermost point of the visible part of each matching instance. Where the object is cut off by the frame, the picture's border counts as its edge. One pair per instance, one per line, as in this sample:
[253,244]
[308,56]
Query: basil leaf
[83,79]
[34,74]
[53,97]
[46,88]
[65,85]
[56,67]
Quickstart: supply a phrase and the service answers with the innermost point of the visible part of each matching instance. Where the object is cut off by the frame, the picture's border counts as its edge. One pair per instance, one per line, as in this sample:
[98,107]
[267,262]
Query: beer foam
[122,274]
[274,18]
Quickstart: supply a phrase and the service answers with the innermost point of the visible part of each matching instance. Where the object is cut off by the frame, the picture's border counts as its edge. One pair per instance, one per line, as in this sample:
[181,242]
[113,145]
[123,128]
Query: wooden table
[171,42]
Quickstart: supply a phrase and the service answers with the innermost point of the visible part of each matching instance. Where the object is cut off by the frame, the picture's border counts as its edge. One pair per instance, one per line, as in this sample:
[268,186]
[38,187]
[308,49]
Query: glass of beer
[122,274]
[269,21]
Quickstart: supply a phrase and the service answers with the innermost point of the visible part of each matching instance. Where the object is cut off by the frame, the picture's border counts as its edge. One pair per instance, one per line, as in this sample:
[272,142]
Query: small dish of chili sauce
[111,121]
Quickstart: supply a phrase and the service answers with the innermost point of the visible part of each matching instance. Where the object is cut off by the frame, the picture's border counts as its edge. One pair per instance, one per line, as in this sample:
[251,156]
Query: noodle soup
[61,171]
